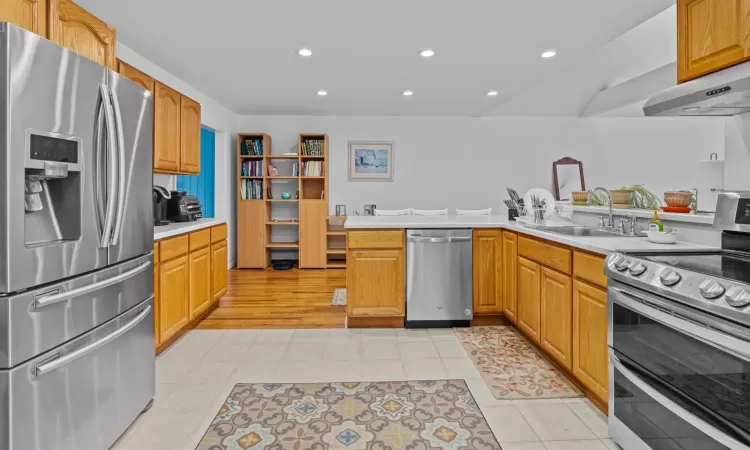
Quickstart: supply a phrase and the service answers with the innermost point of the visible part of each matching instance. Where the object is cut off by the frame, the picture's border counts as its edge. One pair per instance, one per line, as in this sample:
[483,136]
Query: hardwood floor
[279,299]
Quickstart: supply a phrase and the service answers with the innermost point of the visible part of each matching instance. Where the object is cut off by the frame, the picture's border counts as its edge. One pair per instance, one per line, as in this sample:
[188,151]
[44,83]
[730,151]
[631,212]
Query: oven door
[678,379]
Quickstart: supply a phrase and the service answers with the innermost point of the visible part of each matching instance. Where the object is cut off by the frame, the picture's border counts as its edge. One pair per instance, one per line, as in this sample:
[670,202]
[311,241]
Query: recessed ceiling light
[407,93]
[304,52]
[322,93]
[491,93]
[427,53]
[548,53]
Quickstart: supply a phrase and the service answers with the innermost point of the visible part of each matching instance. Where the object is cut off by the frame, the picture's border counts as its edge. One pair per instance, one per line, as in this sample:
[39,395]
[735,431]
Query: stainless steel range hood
[724,93]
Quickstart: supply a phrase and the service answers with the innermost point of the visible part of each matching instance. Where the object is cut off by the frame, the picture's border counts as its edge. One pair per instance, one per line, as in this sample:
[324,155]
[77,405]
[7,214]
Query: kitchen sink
[579,231]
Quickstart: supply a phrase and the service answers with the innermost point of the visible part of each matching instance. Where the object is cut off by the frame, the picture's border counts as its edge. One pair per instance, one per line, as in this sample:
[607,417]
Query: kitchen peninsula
[551,286]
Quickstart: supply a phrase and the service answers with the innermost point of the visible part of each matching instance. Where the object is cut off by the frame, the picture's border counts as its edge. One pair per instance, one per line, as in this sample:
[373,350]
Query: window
[202,186]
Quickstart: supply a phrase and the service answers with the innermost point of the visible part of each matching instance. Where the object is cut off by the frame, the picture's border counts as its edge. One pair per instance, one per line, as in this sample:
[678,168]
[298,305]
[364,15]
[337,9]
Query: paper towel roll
[711,176]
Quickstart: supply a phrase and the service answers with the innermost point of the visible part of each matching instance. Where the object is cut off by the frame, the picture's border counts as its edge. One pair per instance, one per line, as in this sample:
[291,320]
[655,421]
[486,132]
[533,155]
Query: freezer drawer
[84,394]
[38,320]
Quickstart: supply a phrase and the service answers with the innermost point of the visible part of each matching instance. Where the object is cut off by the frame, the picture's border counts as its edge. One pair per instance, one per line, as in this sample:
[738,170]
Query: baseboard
[168,343]
[375,322]
[483,320]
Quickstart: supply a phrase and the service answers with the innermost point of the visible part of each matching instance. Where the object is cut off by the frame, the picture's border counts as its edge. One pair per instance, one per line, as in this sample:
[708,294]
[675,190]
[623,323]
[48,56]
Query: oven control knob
[669,277]
[711,289]
[637,268]
[738,297]
[622,263]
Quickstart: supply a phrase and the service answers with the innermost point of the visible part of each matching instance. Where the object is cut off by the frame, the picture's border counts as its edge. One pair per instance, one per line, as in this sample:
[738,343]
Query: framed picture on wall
[370,161]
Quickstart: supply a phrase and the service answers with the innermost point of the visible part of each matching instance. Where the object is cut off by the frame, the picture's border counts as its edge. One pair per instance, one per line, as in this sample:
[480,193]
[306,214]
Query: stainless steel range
[76,234]
[679,342]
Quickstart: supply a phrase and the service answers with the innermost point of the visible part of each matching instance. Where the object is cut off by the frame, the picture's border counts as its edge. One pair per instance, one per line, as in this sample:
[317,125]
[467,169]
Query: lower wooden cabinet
[219,271]
[590,337]
[174,292]
[157,306]
[375,283]
[529,285]
[557,315]
[200,281]
[510,274]
[487,255]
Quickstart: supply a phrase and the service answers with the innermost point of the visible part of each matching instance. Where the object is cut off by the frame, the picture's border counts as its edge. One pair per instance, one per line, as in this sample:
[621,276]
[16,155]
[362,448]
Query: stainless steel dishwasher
[439,288]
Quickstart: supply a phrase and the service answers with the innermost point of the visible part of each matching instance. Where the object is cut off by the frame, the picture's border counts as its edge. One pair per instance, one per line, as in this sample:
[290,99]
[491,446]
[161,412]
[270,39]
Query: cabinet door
[529,279]
[510,274]
[200,281]
[312,234]
[488,274]
[190,135]
[77,29]
[167,103]
[219,270]
[174,293]
[157,307]
[590,337]
[375,283]
[136,76]
[557,315]
[711,35]
[27,14]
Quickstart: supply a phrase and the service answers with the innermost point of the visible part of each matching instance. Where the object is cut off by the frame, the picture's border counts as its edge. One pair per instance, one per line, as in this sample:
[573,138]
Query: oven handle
[722,341]
[683,413]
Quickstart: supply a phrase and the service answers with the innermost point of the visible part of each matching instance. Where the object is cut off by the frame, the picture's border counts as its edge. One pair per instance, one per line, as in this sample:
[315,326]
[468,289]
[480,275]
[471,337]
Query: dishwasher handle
[443,240]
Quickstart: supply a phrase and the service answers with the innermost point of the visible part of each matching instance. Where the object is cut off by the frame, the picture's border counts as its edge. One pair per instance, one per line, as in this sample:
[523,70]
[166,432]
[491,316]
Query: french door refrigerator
[76,234]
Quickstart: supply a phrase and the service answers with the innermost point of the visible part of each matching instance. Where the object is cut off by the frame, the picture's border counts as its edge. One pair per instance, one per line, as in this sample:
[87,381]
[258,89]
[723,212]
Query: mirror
[568,174]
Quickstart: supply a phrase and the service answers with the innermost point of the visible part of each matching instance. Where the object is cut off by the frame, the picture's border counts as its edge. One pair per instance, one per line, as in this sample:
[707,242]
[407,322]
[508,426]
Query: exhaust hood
[724,93]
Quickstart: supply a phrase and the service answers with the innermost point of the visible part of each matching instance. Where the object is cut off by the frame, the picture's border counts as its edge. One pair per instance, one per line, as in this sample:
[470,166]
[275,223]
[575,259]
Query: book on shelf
[312,169]
[272,172]
[289,154]
[252,169]
[295,169]
[252,189]
[252,147]
[313,147]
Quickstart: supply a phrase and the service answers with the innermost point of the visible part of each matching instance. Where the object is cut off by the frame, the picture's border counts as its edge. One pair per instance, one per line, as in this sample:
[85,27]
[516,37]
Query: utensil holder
[512,214]
[538,215]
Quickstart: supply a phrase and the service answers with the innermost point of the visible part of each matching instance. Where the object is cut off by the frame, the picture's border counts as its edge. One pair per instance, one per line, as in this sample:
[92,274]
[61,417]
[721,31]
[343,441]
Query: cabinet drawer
[589,267]
[376,239]
[199,239]
[218,233]
[173,247]
[156,253]
[545,253]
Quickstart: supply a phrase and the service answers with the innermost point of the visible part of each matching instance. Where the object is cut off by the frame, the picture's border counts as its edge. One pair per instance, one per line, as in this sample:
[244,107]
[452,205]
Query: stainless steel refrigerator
[76,239]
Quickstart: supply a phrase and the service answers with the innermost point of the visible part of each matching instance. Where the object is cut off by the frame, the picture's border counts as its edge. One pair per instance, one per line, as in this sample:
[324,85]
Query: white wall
[214,116]
[459,162]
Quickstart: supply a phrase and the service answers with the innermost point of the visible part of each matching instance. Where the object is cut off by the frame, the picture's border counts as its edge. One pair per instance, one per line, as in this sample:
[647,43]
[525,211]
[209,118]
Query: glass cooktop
[722,265]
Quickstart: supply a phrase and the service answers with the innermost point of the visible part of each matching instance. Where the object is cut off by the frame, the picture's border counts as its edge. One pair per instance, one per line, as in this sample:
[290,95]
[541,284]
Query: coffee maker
[161,197]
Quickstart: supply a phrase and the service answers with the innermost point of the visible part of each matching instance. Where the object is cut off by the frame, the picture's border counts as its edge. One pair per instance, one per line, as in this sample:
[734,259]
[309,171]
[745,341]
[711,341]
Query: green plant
[597,199]
[643,198]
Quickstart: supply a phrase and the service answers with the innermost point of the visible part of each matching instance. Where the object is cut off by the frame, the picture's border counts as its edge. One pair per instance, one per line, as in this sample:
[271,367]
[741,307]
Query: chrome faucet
[633,222]
[609,197]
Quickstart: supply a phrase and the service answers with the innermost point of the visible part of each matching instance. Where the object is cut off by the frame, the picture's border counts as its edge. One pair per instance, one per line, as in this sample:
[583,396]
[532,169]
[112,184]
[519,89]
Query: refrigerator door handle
[120,169]
[56,362]
[99,195]
[112,175]
[52,297]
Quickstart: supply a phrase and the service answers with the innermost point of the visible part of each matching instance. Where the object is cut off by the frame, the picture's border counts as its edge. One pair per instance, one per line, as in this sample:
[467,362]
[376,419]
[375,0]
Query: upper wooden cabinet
[136,76]
[488,273]
[190,135]
[167,119]
[711,35]
[590,337]
[529,284]
[510,274]
[77,29]
[557,315]
[28,14]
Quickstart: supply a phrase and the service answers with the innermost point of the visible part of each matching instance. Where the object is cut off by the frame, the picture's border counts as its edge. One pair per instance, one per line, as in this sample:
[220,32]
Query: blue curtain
[202,186]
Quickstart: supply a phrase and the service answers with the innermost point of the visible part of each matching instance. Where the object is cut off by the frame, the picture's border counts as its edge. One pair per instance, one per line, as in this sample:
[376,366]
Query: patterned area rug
[339,297]
[511,367]
[416,415]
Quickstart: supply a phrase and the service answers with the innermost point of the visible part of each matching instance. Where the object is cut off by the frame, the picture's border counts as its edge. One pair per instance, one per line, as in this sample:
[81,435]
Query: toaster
[183,208]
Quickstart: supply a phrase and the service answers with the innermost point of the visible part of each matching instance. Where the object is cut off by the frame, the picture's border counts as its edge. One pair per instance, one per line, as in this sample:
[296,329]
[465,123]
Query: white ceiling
[243,54]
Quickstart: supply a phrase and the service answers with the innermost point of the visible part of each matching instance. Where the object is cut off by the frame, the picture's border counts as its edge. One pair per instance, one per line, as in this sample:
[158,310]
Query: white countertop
[175,228]
[602,245]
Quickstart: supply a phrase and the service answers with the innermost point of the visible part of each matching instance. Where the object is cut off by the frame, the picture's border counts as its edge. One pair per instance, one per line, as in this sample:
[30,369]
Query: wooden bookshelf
[335,242]
[255,217]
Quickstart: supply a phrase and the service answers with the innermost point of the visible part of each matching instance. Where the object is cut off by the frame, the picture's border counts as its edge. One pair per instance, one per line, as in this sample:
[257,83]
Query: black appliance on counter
[160,198]
[183,208]
[679,342]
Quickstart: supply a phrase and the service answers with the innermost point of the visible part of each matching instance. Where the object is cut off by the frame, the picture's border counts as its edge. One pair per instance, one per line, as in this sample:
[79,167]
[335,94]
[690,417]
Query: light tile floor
[195,375]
